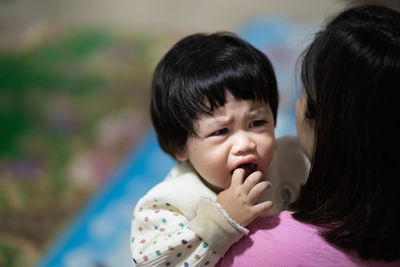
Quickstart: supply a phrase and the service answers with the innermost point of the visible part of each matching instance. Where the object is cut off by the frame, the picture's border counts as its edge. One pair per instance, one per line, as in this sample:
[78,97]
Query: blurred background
[76,145]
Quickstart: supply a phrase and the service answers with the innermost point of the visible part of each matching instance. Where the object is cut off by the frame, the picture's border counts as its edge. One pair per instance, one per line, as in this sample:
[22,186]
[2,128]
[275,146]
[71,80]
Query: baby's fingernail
[238,170]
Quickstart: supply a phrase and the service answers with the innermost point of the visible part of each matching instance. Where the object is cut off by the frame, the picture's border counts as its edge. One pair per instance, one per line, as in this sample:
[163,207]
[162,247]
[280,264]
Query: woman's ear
[181,156]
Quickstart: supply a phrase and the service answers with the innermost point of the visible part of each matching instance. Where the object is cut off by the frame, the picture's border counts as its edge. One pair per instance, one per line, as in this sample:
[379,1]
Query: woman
[348,212]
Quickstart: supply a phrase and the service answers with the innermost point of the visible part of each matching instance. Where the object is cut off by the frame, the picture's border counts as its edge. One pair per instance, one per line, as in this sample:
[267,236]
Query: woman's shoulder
[283,230]
[283,241]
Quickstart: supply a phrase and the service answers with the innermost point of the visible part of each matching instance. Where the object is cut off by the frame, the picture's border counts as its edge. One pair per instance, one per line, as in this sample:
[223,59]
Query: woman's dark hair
[351,76]
[192,80]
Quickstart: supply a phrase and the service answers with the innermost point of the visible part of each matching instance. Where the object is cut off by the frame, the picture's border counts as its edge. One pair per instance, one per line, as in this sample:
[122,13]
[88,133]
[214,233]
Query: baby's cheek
[268,155]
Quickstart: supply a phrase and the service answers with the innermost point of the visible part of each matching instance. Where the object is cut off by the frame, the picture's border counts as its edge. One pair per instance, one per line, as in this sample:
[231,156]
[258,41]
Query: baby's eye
[219,132]
[257,123]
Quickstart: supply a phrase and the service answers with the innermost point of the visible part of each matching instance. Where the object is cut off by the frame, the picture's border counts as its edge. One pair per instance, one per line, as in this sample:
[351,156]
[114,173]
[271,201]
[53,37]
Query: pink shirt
[283,241]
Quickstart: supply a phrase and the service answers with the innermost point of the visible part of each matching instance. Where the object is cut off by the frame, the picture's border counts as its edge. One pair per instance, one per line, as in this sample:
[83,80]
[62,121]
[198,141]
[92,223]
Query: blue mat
[99,236]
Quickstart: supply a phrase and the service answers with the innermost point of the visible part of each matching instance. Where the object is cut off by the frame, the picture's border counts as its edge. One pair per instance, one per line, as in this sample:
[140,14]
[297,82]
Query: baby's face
[238,134]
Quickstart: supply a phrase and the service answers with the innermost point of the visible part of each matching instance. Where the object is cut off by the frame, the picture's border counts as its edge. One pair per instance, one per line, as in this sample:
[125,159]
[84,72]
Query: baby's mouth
[248,168]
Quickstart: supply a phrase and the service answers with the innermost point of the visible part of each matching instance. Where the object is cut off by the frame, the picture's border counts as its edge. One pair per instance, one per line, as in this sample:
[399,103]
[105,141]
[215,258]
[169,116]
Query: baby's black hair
[192,79]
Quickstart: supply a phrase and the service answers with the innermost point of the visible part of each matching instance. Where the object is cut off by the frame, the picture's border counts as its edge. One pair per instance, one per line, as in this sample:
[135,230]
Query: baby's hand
[240,199]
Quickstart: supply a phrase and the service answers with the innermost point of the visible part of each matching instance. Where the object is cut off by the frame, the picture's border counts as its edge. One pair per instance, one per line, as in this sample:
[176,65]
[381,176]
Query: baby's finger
[257,190]
[237,177]
[251,181]
[262,207]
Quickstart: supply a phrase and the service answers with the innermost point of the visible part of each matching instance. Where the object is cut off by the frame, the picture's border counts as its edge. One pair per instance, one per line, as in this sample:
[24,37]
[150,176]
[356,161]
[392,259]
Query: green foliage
[56,66]
[9,255]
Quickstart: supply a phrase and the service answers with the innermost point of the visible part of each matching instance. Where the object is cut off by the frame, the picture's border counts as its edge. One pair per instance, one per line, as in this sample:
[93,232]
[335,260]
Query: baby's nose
[242,144]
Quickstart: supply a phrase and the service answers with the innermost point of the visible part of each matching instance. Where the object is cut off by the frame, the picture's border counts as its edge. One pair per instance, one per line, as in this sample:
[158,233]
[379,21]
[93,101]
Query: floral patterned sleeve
[161,236]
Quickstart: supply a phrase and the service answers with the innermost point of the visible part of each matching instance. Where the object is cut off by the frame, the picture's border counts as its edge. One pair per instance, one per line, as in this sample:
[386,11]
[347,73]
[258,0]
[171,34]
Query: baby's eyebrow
[211,123]
[218,122]
[260,112]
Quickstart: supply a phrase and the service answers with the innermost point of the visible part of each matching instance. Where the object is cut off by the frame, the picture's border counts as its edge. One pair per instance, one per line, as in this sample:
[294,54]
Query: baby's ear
[181,156]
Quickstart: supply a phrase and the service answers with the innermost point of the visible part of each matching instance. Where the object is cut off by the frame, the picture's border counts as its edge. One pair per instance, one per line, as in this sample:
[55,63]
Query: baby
[214,104]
